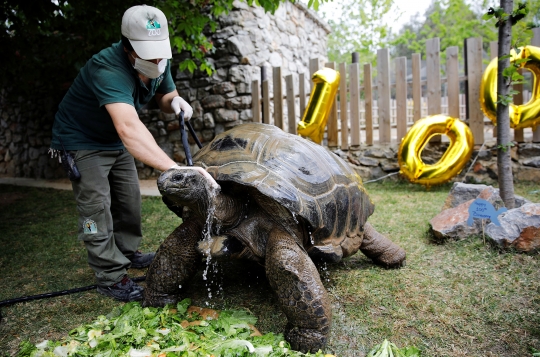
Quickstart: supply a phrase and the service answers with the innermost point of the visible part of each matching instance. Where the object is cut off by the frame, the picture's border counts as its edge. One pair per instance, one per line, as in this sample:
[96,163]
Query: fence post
[383,90]
[354,91]
[264,77]
[314,66]
[256,101]
[452,80]
[493,49]
[368,103]
[474,78]
[332,126]
[401,97]
[302,93]
[278,98]
[536,42]
[343,107]
[291,106]
[266,101]
[433,67]
[417,86]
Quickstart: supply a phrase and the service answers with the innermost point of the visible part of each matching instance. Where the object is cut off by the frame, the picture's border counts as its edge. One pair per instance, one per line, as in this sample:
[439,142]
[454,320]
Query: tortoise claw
[395,265]
[306,340]
[156,299]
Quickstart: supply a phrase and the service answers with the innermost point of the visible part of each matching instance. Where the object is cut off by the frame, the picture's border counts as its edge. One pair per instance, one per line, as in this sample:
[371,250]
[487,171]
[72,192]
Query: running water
[325,275]
[207,235]
[207,230]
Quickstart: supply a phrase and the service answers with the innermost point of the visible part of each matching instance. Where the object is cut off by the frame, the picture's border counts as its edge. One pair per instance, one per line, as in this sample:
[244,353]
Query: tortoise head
[187,186]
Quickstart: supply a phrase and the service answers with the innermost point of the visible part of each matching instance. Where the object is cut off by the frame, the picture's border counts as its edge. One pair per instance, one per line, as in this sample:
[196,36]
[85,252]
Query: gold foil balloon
[521,116]
[320,103]
[452,161]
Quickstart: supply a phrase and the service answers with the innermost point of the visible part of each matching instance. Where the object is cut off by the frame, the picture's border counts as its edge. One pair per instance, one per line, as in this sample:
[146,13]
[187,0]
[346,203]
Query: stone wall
[376,162]
[246,39]
[25,136]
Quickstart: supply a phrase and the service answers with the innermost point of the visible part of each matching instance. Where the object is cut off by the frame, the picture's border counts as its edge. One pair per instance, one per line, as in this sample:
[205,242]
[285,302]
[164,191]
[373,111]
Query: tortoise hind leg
[303,298]
[381,250]
[176,261]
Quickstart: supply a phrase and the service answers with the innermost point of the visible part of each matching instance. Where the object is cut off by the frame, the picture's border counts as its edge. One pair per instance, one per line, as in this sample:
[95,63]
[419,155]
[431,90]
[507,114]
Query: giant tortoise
[284,202]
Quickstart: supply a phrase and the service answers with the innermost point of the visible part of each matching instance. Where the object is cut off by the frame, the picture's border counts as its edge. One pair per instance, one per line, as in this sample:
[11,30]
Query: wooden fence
[382,109]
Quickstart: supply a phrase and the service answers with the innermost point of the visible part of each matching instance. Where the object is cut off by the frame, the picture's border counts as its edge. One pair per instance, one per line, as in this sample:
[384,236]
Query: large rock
[463,192]
[452,223]
[520,228]
[213,101]
[528,150]
[225,115]
[533,162]
[240,45]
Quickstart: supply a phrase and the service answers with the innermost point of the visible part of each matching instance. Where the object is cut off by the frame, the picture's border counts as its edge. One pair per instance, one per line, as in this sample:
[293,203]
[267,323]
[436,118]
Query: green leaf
[505,99]
[182,306]
[509,71]
[520,61]
[26,348]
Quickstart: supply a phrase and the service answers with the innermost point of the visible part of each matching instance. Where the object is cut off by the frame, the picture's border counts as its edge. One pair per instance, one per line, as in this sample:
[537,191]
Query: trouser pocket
[93,222]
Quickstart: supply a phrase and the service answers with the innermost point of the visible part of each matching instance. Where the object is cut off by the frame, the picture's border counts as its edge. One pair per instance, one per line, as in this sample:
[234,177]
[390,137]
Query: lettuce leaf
[132,331]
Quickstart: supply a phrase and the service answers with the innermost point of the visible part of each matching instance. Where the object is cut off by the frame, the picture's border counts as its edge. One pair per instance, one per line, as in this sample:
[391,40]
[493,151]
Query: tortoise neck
[229,210]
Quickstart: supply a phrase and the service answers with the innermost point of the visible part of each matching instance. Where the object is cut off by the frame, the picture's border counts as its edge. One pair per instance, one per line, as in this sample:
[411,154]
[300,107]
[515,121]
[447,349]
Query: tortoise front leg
[303,299]
[381,249]
[175,263]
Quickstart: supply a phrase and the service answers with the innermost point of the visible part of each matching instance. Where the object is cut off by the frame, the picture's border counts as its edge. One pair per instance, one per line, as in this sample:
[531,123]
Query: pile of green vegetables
[388,349]
[134,331]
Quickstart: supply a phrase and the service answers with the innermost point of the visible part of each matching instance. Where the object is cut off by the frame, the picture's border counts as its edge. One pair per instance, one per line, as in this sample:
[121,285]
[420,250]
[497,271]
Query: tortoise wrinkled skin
[284,202]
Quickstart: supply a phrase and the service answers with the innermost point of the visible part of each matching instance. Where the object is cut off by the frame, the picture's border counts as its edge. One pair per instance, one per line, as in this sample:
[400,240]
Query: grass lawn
[461,298]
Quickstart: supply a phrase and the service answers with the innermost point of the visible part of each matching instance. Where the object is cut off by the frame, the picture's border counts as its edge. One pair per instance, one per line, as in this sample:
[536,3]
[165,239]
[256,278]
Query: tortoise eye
[177,178]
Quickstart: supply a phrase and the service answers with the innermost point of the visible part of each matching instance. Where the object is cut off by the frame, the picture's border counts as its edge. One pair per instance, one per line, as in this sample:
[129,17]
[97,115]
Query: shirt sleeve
[112,86]
[167,85]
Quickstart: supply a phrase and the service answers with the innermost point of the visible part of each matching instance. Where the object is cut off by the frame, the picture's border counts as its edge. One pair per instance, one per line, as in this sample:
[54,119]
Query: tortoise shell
[306,178]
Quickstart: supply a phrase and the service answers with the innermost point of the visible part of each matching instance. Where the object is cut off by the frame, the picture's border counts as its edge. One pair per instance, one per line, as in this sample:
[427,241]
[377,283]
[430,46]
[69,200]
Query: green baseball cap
[147,30]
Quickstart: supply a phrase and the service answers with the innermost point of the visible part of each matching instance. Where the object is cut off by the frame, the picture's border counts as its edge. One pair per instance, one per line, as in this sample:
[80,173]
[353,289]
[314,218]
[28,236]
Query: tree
[46,42]
[452,21]
[504,161]
[507,75]
[358,26]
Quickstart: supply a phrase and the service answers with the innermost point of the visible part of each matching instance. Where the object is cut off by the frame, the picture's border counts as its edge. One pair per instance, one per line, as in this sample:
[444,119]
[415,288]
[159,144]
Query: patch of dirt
[10,197]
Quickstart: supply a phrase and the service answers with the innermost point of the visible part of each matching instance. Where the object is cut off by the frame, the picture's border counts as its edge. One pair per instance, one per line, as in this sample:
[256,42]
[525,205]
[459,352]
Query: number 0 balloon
[452,161]
[521,116]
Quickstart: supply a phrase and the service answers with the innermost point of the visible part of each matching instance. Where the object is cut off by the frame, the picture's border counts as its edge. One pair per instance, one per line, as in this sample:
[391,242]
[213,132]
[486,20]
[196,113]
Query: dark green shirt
[82,122]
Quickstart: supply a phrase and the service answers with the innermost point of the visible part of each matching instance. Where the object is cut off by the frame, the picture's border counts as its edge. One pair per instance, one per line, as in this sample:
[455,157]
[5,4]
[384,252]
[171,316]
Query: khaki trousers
[109,204]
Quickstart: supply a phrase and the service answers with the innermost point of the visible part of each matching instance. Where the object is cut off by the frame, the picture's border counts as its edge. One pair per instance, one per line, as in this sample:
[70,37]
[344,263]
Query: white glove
[178,104]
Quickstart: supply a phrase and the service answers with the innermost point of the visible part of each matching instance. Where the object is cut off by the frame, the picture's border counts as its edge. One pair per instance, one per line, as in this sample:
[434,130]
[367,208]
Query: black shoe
[125,290]
[141,260]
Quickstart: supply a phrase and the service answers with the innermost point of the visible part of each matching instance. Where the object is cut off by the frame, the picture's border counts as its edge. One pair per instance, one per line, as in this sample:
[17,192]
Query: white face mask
[149,69]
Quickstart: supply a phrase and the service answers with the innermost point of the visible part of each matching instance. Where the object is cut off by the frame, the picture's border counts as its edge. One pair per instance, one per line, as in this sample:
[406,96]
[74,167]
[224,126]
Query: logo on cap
[152,24]
[153,27]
